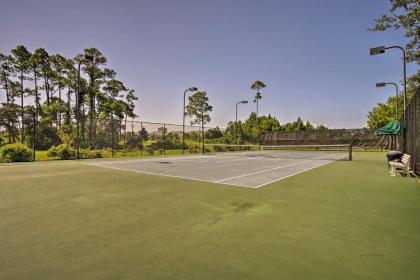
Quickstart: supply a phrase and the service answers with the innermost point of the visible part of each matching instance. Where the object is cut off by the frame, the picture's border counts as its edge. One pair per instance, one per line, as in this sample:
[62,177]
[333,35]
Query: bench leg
[393,168]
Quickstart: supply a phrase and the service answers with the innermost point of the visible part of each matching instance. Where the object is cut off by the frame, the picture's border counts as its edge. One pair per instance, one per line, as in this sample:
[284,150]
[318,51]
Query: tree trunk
[6,88]
[91,119]
[59,102]
[92,110]
[82,120]
[47,89]
[257,108]
[37,103]
[68,111]
[125,129]
[21,105]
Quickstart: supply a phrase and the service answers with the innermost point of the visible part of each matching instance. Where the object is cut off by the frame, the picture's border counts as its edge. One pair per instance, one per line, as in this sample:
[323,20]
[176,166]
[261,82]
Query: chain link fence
[105,136]
[411,131]
[111,136]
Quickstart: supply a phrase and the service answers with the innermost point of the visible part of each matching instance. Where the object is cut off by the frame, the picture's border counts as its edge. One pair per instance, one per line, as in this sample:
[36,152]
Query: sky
[313,55]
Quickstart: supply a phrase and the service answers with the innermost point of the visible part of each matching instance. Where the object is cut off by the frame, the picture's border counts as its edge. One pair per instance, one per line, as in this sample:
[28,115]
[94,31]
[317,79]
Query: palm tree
[257,85]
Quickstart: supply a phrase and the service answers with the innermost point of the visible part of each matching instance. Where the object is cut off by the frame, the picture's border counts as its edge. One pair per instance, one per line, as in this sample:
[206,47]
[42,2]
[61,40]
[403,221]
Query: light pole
[381,50]
[237,103]
[85,58]
[396,96]
[236,119]
[183,117]
[202,133]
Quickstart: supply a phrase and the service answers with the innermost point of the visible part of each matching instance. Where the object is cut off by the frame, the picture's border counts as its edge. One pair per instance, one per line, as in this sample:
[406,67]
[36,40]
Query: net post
[141,138]
[350,152]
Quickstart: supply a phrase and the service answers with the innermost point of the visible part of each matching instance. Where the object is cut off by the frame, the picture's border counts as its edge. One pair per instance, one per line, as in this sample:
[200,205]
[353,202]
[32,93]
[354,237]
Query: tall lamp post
[381,50]
[236,119]
[192,89]
[85,58]
[396,96]
[202,125]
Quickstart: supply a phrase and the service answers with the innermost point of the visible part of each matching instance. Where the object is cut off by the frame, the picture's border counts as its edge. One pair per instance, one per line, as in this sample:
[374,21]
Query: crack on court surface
[243,207]
[212,221]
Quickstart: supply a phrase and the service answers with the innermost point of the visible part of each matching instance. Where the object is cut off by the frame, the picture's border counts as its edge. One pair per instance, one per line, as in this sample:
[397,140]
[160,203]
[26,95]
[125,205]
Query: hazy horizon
[313,57]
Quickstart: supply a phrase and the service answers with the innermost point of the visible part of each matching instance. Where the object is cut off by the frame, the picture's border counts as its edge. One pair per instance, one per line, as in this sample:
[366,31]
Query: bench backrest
[406,159]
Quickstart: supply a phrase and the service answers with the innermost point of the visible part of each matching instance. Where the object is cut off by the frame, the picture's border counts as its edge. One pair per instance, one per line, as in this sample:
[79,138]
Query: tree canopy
[405,15]
[198,108]
[257,86]
[48,85]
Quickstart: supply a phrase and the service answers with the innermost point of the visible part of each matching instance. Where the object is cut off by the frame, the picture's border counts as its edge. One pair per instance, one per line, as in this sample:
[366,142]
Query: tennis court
[69,220]
[248,166]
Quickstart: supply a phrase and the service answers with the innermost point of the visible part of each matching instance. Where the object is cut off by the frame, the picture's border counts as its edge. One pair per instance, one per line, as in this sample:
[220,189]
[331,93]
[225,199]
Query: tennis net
[315,152]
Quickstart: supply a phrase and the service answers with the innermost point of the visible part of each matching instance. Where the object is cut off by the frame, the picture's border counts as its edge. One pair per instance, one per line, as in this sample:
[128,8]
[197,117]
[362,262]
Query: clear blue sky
[313,55]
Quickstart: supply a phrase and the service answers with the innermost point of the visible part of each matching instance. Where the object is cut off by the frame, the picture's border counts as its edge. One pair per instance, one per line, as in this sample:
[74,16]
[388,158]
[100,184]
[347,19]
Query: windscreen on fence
[411,131]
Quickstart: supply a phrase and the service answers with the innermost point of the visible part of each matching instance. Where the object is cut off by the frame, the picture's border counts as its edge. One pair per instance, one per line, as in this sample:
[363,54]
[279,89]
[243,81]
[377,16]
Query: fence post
[350,152]
[164,139]
[112,135]
[202,134]
[34,135]
[141,139]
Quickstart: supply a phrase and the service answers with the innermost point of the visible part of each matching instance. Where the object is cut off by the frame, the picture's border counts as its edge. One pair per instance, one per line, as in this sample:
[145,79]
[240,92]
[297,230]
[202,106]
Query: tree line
[59,92]
[249,131]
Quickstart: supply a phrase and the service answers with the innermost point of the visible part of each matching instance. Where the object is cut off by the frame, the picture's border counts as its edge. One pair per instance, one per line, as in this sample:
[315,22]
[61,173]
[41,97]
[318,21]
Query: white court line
[262,171]
[166,175]
[160,158]
[252,158]
[296,173]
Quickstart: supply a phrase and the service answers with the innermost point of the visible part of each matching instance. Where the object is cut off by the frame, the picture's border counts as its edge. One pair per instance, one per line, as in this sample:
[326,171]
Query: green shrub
[133,142]
[98,154]
[46,137]
[219,148]
[194,148]
[16,152]
[91,153]
[149,149]
[63,151]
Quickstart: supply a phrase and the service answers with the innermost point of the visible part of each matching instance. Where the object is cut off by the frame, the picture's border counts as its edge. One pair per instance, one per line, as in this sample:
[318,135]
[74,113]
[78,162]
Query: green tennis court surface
[343,220]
